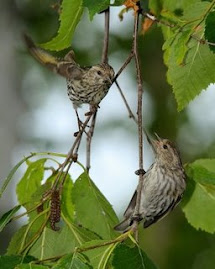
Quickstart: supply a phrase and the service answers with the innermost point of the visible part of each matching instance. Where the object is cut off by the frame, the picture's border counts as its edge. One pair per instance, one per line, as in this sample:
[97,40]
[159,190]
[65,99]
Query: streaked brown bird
[85,85]
[163,187]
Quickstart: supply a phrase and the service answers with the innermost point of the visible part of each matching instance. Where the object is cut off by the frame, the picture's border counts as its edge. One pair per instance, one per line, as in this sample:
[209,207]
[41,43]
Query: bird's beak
[158,137]
[108,80]
[154,142]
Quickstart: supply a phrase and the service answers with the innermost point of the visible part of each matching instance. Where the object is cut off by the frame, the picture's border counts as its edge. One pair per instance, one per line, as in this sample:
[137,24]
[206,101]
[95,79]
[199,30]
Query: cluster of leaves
[186,27]
[85,239]
[189,58]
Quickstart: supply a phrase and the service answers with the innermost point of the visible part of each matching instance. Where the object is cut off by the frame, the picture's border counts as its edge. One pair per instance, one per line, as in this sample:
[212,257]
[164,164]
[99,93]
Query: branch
[130,113]
[127,61]
[106,36]
[89,140]
[72,154]
[140,123]
[104,60]
[171,25]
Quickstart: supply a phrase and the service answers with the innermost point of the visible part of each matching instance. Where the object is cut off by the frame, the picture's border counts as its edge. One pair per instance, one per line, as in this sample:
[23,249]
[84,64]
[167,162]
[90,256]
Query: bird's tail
[41,55]
[123,226]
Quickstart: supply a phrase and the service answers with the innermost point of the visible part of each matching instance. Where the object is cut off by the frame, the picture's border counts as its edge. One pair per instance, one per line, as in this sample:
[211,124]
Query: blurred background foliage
[36,115]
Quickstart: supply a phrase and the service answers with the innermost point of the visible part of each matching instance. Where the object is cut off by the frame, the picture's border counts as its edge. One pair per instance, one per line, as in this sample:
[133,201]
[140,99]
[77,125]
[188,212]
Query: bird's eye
[99,73]
[165,146]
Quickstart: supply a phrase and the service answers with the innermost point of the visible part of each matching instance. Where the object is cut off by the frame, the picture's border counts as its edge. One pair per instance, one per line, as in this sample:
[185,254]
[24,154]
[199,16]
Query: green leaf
[67,206]
[199,209]
[16,241]
[99,256]
[210,30]
[71,12]
[30,182]
[80,233]
[155,7]
[54,243]
[27,235]
[10,262]
[12,172]
[93,211]
[118,3]
[6,218]
[96,6]
[194,76]
[72,261]
[181,49]
[31,266]
[190,63]
[129,258]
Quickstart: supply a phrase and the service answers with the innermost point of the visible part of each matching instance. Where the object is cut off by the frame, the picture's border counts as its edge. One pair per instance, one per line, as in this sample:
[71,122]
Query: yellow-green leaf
[70,15]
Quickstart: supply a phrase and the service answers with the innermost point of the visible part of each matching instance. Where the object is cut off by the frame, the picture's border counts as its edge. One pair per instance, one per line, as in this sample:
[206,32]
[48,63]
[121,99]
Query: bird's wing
[162,213]
[131,207]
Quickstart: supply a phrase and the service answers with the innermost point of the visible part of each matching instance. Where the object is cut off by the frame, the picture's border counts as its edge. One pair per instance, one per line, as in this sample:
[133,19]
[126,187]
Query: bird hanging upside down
[163,187]
[85,85]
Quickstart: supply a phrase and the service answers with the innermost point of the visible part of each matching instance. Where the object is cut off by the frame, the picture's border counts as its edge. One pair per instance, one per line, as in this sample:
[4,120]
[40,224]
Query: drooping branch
[106,36]
[73,153]
[89,141]
[140,123]
[104,60]
[172,25]
[130,113]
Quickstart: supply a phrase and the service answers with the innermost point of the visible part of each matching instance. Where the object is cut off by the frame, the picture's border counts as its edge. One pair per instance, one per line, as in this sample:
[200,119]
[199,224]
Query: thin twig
[104,60]
[89,141]
[127,61]
[72,154]
[140,124]
[171,25]
[130,113]
[106,36]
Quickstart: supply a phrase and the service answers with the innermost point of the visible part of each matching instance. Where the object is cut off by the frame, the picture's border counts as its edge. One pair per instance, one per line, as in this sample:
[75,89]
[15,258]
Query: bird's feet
[140,172]
[93,109]
[136,217]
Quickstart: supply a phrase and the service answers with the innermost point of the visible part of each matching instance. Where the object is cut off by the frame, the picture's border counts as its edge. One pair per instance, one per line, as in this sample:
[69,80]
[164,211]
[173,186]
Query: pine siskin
[85,85]
[163,187]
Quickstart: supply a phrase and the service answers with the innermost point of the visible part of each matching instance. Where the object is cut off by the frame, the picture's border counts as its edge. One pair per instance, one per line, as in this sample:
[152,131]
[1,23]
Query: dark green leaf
[31,266]
[210,29]
[16,241]
[118,3]
[130,258]
[6,218]
[67,206]
[96,6]
[93,211]
[71,12]
[80,233]
[72,261]
[155,7]
[199,209]
[27,235]
[10,262]
[31,181]
[52,243]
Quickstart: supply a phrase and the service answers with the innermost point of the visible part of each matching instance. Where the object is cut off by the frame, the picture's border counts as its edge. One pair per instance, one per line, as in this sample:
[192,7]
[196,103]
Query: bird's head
[102,74]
